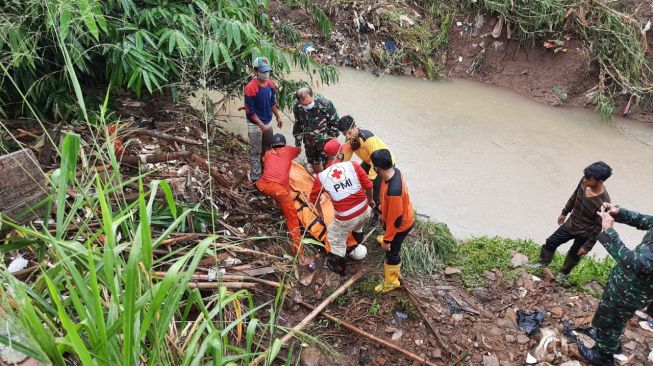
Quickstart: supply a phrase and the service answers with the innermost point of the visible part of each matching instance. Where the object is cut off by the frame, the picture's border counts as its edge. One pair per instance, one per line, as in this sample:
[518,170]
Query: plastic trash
[308,48]
[18,264]
[530,360]
[401,315]
[530,322]
[390,45]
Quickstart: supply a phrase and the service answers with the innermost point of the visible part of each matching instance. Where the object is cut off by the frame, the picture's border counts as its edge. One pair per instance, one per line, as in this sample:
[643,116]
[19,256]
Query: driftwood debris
[23,185]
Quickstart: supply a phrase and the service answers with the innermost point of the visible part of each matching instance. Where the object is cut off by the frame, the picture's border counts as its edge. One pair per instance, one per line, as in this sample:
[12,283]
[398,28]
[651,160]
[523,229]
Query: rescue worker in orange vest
[350,190]
[397,217]
[363,143]
[274,183]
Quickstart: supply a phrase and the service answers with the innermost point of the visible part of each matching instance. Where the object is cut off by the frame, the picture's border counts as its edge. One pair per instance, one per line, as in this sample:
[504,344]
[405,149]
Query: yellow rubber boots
[391,281]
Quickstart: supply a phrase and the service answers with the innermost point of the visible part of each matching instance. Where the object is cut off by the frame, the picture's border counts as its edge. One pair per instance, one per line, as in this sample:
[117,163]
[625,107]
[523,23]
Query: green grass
[375,308]
[429,245]
[98,304]
[478,255]
[405,306]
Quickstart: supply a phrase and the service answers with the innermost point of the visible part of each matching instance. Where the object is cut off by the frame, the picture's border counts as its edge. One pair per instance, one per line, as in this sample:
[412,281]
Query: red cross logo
[337,174]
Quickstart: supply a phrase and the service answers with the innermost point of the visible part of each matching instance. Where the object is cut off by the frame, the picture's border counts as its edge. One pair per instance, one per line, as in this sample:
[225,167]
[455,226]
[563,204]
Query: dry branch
[363,333]
[313,314]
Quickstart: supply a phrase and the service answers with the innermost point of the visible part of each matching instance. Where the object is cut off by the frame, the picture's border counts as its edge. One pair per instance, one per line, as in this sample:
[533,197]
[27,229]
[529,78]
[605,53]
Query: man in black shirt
[583,225]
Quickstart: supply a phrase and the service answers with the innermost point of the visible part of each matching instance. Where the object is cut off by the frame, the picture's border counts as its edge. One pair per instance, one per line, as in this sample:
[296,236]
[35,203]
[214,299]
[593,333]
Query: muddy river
[487,161]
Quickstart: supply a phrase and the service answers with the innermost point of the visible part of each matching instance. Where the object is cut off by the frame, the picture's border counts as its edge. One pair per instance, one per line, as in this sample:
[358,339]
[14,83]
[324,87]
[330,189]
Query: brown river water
[488,161]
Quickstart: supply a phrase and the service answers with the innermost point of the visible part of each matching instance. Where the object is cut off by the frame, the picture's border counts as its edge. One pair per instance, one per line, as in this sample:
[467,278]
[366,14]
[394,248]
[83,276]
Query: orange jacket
[396,209]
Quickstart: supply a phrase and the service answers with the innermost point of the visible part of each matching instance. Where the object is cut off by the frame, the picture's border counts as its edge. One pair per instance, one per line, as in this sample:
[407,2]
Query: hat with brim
[262,64]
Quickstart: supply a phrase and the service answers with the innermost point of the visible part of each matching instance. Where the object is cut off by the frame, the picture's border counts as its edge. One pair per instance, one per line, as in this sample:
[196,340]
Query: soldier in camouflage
[316,122]
[630,284]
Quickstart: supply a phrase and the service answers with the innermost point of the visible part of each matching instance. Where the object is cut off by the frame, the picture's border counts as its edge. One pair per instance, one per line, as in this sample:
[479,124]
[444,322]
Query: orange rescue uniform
[274,183]
[396,214]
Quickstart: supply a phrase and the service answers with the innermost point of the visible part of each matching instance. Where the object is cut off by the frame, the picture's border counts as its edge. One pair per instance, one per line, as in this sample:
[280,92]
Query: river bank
[464,48]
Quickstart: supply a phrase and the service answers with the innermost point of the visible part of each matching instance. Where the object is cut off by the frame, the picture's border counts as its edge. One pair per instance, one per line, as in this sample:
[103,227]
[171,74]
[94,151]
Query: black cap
[345,123]
[278,140]
[382,159]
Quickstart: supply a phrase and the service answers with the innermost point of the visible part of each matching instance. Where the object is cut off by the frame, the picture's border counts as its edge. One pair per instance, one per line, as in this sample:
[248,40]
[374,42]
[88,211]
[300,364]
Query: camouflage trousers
[620,300]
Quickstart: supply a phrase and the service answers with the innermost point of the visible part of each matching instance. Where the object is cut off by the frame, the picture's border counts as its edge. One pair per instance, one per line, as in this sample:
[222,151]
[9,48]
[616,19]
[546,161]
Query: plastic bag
[530,322]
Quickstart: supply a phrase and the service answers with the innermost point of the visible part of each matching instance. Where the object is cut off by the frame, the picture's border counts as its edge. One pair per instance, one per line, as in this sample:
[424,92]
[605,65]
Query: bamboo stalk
[227,278]
[215,285]
[95,169]
[363,333]
[156,158]
[226,247]
[178,239]
[312,315]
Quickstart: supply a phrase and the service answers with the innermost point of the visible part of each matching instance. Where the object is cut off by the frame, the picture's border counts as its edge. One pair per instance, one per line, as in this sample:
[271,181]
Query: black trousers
[393,256]
[562,236]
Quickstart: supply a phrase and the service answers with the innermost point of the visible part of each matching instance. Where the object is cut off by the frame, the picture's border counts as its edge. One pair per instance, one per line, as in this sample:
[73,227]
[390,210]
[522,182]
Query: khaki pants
[338,231]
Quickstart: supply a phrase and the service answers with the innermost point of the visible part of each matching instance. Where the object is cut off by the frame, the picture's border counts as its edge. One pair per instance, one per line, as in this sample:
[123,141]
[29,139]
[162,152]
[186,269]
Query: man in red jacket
[274,183]
[350,190]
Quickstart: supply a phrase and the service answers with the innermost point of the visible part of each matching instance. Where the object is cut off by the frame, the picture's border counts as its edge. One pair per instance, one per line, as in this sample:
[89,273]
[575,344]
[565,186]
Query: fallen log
[363,333]
[312,315]
[165,136]
[155,158]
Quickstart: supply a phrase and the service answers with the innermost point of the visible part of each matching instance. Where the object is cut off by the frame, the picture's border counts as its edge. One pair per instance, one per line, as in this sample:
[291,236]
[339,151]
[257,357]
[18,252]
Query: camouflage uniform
[630,284]
[314,127]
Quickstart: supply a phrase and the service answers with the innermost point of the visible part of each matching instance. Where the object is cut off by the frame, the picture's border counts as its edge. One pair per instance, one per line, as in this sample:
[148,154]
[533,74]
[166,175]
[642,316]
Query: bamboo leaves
[141,46]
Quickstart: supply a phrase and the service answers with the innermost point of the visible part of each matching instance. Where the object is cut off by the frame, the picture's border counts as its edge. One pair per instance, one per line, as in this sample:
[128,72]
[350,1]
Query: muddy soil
[557,79]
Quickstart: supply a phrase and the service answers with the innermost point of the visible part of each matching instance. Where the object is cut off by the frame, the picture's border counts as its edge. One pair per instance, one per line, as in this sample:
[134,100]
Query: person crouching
[274,183]
[350,190]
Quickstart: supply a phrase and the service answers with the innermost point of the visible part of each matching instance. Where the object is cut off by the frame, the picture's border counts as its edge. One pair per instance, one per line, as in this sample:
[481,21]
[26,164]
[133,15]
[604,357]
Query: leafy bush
[144,46]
